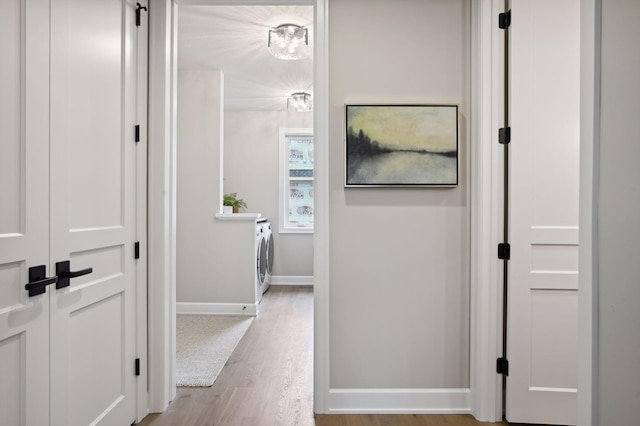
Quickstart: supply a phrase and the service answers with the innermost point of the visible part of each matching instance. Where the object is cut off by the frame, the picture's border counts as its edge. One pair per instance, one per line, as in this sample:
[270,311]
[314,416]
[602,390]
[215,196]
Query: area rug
[204,344]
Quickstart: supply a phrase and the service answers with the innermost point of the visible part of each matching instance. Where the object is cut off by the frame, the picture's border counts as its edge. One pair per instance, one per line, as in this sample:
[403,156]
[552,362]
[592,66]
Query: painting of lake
[401,145]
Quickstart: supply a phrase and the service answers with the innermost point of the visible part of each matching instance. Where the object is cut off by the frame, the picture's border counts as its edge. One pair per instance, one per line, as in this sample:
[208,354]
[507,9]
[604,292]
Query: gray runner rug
[204,344]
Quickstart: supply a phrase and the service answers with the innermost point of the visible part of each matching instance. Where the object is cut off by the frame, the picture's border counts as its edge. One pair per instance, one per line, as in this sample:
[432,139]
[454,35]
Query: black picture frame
[401,145]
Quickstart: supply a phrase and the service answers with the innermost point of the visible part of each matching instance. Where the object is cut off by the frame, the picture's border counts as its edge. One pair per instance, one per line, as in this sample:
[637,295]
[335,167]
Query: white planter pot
[227,209]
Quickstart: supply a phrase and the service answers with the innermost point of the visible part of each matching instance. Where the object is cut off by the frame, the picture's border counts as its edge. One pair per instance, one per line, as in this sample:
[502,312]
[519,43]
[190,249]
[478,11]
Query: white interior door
[93,211]
[543,289]
[70,189]
[24,211]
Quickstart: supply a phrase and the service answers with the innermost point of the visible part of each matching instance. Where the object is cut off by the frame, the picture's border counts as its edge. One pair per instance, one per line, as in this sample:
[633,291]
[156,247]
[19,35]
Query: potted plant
[232,200]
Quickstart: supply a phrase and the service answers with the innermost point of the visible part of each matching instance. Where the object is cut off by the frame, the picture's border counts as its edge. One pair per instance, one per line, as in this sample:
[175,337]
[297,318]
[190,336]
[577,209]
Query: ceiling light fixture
[300,102]
[289,42]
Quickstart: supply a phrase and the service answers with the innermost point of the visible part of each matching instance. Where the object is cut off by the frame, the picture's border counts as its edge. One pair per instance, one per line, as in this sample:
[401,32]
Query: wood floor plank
[268,380]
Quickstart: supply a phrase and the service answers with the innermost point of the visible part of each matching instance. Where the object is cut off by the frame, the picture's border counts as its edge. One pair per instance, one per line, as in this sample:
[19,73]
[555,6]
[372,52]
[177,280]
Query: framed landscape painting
[401,145]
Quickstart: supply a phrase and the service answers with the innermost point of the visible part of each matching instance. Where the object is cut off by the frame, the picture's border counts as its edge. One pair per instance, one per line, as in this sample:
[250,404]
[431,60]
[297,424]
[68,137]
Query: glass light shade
[289,42]
[300,102]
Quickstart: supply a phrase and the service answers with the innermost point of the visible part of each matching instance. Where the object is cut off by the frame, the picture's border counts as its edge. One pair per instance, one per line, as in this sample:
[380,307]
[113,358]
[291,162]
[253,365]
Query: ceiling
[234,40]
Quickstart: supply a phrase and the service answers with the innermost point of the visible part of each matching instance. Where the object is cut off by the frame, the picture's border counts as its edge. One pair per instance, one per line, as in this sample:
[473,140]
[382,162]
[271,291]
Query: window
[296,181]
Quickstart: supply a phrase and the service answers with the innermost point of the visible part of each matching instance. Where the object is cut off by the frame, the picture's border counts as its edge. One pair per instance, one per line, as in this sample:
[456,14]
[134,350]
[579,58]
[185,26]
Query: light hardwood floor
[268,378]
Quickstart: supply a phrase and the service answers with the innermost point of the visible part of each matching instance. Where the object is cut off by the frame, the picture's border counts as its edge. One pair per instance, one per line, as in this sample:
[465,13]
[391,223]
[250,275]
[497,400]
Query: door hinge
[137,366]
[502,366]
[504,135]
[504,251]
[139,7]
[504,20]
[136,250]
[137,133]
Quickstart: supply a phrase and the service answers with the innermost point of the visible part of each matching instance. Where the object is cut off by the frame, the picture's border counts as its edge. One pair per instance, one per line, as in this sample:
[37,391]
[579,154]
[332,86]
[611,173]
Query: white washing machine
[264,257]
[268,237]
[261,259]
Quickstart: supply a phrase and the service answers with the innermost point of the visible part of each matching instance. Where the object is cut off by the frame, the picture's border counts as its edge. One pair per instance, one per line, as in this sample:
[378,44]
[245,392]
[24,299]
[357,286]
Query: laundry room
[236,114]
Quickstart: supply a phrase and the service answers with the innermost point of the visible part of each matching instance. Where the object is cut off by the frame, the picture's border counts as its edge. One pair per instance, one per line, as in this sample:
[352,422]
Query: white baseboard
[291,280]
[399,401]
[217,309]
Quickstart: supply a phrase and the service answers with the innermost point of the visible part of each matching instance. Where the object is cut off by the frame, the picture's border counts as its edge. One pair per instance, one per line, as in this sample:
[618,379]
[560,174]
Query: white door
[24,211]
[543,288]
[93,209]
[72,202]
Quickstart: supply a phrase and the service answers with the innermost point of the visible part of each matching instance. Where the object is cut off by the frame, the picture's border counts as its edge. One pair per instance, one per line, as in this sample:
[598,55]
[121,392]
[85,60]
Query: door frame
[487,93]
[486,292]
[162,197]
[141,294]
[588,337]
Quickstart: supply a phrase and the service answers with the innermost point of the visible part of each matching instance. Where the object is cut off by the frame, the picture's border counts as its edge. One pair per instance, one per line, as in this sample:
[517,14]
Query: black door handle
[38,280]
[64,273]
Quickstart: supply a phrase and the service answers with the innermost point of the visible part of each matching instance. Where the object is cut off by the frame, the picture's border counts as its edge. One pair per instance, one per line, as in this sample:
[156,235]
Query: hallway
[268,378]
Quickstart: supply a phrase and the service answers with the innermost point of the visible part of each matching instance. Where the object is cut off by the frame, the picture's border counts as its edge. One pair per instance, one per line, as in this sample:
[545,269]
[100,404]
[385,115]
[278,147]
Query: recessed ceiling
[234,39]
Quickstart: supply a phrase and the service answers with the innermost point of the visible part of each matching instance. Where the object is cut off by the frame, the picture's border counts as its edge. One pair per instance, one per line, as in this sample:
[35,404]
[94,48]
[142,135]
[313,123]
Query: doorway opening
[232,101]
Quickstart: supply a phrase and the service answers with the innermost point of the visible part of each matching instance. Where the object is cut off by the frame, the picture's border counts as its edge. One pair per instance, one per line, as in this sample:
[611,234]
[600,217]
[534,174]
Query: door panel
[543,291]
[12,384]
[103,357]
[554,319]
[93,66]
[10,112]
[24,230]
[88,57]
[93,209]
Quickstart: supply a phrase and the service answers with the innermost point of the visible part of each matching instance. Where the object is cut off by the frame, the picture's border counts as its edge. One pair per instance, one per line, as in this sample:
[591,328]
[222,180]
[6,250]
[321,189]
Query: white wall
[399,283]
[251,170]
[215,260]
[618,216]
